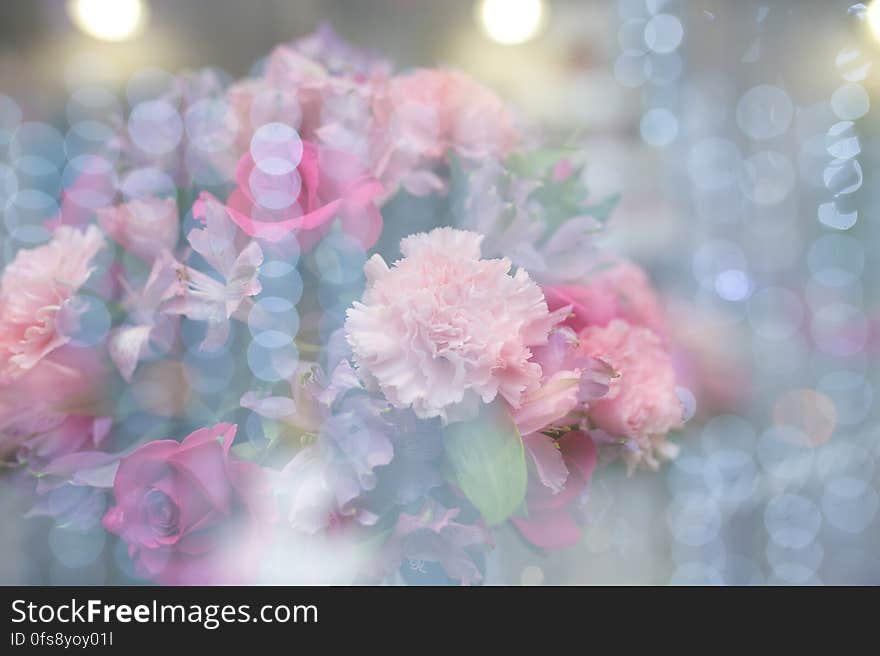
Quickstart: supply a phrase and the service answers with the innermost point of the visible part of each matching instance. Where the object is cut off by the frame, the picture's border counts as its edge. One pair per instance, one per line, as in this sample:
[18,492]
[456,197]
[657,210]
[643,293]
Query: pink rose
[641,406]
[563,469]
[190,512]
[38,308]
[272,201]
[144,228]
[622,291]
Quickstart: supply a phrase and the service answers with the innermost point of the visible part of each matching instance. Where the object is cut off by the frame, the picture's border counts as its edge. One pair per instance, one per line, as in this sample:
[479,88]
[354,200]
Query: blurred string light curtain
[767,144]
[749,137]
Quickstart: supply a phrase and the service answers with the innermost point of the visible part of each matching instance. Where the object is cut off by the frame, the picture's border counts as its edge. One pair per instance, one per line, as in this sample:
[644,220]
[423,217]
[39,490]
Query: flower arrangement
[328,320]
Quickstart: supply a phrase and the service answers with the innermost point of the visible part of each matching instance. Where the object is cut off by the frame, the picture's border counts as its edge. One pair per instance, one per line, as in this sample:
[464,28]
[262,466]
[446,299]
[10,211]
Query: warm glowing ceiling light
[873,16]
[109,20]
[510,21]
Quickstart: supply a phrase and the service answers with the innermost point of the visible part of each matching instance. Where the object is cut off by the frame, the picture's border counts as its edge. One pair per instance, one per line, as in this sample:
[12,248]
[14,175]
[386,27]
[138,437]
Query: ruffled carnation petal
[37,291]
[442,327]
[641,405]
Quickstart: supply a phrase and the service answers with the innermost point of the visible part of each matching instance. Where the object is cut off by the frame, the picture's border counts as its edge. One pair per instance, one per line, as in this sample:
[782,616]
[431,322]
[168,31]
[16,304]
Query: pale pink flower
[443,329]
[404,126]
[293,89]
[142,227]
[400,128]
[467,117]
[38,308]
[550,403]
[74,434]
[206,298]
[42,410]
[299,81]
[569,382]
[434,535]
[255,102]
[398,140]
[148,327]
[641,406]
[289,69]
[619,291]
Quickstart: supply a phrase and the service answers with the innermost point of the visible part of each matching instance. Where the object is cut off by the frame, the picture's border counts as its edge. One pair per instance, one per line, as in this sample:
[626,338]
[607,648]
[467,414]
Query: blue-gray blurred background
[743,140]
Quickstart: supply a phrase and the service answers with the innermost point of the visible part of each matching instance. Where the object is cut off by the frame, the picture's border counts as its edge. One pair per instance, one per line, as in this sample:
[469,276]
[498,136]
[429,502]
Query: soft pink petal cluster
[619,320]
[641,404]
[38,307]
[419,117]
[468,118]
[569,382]
[443,328]
[50,390]
[620,290]
[47,410]
[143,227]
[607,378]
[319,140]
[400,127]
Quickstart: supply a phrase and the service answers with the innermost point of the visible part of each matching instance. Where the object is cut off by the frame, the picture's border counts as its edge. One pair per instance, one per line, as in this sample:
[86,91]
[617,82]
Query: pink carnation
[296,88]
[622,291]
[641,405]
[290,70]
[469,118]
[403,144]
[404,126]
[443,327]
[145,228]
[37,297]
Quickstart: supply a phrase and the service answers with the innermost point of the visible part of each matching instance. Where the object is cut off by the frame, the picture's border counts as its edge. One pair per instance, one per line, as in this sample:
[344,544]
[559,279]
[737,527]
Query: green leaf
[537,162]
[488,461]
[602,210]
[371,546]
[247,451]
